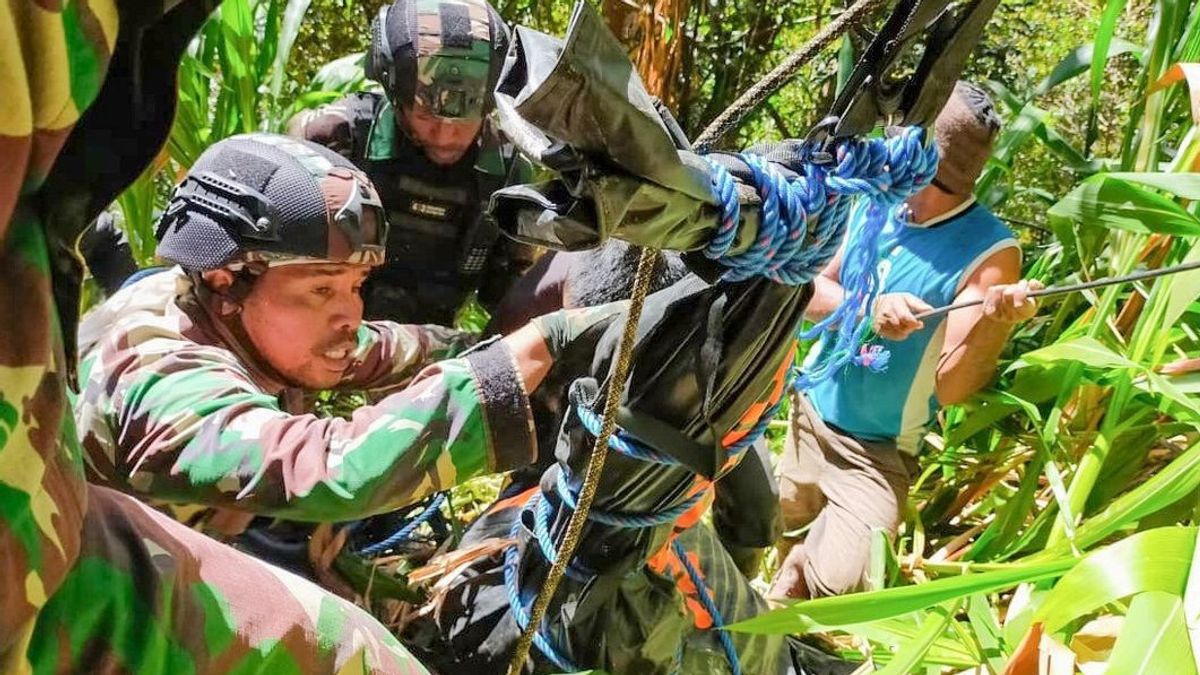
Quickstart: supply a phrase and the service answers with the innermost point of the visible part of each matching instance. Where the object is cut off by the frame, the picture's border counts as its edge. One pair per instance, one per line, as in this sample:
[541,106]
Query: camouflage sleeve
[52,59]
[329,125]
[392,353]
[150,595]
[190,426]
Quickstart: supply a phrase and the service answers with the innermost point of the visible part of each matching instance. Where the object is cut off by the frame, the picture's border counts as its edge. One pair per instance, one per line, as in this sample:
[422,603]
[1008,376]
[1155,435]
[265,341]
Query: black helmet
[444,54]
[265,197]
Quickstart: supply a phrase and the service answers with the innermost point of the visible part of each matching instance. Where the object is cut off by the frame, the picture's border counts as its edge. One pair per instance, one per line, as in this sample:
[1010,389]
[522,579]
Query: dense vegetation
[1056,513]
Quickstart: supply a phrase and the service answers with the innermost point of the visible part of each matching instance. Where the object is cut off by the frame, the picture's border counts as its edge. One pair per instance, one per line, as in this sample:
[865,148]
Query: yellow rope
[591,479]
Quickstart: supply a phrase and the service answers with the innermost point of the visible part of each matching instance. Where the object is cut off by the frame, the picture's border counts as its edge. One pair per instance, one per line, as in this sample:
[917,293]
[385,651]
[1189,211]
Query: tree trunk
[652,30]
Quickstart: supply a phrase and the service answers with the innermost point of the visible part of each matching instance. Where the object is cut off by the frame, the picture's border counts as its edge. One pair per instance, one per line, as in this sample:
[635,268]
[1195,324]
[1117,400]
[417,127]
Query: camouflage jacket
[171,409]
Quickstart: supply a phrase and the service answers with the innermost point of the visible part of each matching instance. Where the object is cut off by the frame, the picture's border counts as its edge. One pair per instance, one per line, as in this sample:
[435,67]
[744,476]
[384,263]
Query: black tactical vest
[441,238]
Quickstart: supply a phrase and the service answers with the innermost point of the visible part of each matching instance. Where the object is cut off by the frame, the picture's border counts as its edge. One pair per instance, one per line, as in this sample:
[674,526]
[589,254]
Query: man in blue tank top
[853,439]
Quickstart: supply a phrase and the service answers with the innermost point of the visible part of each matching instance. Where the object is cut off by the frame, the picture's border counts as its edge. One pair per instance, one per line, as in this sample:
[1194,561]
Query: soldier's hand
[895,315]
[1010,303]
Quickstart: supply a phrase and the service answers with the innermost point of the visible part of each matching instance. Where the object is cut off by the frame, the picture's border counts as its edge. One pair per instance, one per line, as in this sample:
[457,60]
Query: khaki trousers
[846,488]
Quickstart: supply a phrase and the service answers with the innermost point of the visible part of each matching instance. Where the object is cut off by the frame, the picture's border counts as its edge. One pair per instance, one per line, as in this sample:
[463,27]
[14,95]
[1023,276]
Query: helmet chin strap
[228,324]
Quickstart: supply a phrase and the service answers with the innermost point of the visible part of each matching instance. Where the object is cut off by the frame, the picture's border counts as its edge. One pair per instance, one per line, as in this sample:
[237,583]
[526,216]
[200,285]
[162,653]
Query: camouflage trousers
[150,595]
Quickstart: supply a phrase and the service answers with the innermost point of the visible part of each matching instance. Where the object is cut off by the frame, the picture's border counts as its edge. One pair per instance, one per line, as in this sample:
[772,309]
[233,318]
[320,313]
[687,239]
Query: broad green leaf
[1188,47]
[1154,639]
[288,31]
[1085,350]
[945,650]
[912,653]
[1191,608]
[1185,289]
[1103,201]
[1186,404]
[341,74]
[1079,60]
[1011,516]
[1186,185]
[855,608]
[1154,560]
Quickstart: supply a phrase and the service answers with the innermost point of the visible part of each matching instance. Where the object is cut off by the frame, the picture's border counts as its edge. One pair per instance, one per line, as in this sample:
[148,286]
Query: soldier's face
[304,320]
[443,140]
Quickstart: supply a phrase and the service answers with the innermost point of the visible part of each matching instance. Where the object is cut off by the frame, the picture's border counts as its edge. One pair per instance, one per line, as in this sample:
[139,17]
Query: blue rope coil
[626,519]
[803,220]
[512,564]
[405,532]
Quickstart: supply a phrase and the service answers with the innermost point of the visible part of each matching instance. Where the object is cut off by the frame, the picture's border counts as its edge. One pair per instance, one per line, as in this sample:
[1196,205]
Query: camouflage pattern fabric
[173,409]
[90,580]
[52,60]
[453,48]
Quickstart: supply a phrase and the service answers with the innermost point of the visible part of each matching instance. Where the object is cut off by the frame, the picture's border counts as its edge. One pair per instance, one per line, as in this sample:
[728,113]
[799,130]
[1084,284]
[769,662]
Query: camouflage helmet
[445,55]
[273,199]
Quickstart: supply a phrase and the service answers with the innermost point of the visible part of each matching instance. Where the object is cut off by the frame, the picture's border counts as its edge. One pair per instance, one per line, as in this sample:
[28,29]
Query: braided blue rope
[802,223]
[541,532]
[886,172]
[512,564]
[710,606]
[623,442]
[405,532]
[627,519]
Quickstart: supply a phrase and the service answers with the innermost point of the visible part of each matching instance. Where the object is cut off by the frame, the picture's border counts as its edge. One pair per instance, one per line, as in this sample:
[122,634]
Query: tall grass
[1068,491]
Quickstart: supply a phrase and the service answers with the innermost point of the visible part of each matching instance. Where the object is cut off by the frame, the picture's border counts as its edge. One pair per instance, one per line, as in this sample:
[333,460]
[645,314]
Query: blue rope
[512,563]
[623,442]
[405,532]
[710,606]
[803,220]
[626,519]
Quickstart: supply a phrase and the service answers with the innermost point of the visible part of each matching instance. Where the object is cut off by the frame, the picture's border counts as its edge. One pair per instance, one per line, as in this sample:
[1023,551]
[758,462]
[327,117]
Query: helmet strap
[228,324]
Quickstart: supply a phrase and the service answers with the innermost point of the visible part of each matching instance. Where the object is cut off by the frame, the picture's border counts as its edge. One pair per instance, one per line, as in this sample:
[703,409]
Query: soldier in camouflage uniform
[90,579]
[193,378]
[432,150]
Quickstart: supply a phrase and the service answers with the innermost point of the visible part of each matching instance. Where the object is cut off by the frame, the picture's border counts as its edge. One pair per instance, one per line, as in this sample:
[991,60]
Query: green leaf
[1185,289]
[987,632]
[1079,60]
[945,650]
[1154,560]
[912,653]
[288,31]
[1154,639]
[1186,185]
[1104,201]
[1177,480]
[845,610]
[341,74]
[1104,39]
[1186,404]
[1085,350]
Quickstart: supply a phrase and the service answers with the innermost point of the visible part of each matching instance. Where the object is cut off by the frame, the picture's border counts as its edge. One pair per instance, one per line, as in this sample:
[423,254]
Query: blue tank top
[931,261]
